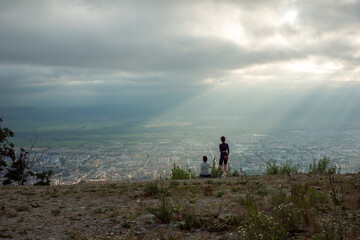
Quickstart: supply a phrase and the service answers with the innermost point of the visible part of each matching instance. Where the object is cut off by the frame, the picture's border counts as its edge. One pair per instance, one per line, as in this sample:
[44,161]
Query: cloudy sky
[86,52]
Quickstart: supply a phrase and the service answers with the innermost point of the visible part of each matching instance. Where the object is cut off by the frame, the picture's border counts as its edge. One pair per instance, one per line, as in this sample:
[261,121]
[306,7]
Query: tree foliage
[6,147]
[21,165]
[44,178]
[19,171]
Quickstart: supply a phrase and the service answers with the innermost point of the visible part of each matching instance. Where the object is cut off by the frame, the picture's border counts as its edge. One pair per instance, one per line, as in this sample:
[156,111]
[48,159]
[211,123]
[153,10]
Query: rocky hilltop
[248,207]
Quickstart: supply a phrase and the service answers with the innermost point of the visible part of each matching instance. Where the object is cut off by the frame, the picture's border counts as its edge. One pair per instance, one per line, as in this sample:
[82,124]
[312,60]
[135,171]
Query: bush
[278,197]
[284,168]
[216,171]
[164,212]
[271,167]
[151,189]
[260,226]
[287,168]
[220,193]
[288,216]
[323,166]
[232,173]
[190,221]
[178,173]
[338,226]
[44,178]
[249,202]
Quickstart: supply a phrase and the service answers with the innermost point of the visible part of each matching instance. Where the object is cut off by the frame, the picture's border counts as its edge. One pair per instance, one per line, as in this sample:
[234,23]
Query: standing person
[224,155]
[204,169]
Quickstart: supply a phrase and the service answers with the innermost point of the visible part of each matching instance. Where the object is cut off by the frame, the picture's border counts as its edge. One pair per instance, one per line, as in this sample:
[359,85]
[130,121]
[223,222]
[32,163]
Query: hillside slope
[247,207]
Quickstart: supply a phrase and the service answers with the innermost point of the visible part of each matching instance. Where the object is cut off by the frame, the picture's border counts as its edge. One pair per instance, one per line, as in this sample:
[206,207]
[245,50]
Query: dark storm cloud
[135,36]
[329,15]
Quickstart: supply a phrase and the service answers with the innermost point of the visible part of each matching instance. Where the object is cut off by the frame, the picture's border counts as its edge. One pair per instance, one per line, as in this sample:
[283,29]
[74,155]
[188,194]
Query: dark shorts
[205,176]
[223,159]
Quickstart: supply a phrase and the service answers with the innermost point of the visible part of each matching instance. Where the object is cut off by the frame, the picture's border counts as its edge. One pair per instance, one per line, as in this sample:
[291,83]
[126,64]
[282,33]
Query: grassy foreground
[247,207]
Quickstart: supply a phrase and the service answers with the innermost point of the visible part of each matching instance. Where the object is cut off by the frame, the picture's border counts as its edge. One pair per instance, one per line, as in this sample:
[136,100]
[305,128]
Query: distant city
[248,152]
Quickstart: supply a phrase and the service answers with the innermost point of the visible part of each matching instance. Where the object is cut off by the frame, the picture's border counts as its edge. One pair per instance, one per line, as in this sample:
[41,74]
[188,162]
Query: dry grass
[217,208]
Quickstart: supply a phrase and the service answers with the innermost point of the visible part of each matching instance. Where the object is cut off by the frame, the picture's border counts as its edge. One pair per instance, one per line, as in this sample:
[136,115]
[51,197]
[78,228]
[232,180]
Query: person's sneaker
[224,175]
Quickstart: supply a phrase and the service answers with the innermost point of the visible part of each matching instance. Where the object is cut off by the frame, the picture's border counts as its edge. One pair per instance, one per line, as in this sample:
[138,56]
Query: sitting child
[204,169]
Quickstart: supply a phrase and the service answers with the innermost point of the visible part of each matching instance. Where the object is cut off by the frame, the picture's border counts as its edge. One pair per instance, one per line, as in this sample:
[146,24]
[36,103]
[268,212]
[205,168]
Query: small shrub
[288,217]
[178,173]
[191,221]
[323,166]
[55,212]
[164,212]
[335,196]
[216,171]
[22,208]
[337,227]
[11,214]
[214,225]
[192,200]
[151,189]
[249,202]
[232,220]
[271,167]
[210,181]
[284,168]
[99,211]
[316,198]
[220,193]
[287,168]
[232,173]
[301,197]
[177,209]
[260,226]
[262,192]
[126,224]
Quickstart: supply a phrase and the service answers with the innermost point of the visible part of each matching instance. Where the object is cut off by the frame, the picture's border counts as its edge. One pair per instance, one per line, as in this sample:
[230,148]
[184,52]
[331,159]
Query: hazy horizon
[182,61]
